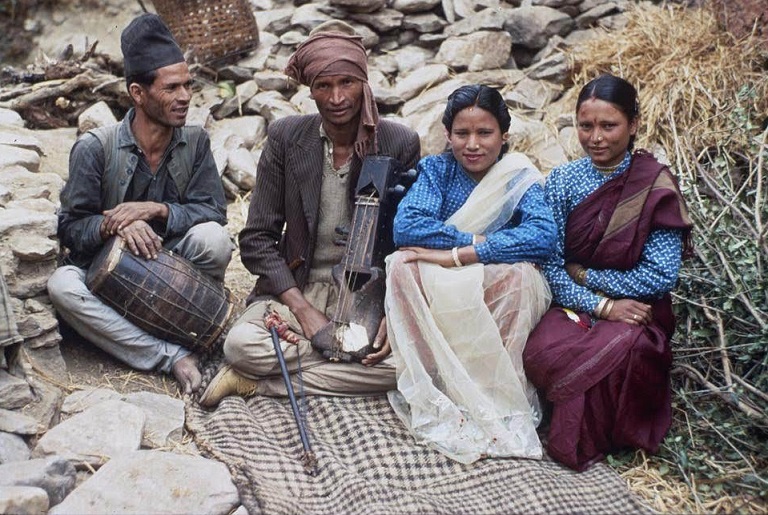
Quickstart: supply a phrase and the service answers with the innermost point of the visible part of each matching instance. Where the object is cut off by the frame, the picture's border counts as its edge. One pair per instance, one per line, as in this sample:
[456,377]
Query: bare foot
[186,373]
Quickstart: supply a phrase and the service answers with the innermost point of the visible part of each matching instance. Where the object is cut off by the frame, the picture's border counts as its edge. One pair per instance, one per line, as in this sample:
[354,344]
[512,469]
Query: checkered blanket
[369,464]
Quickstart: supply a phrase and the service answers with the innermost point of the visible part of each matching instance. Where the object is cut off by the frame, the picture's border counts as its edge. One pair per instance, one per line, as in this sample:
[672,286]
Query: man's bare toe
[187,374]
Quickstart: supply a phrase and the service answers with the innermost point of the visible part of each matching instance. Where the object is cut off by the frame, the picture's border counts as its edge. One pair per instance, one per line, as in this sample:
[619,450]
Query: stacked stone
[419,51]
[28,253]
[28,250]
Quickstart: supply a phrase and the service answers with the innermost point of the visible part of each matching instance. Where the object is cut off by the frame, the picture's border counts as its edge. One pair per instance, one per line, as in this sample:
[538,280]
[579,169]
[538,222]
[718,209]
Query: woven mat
[369,464]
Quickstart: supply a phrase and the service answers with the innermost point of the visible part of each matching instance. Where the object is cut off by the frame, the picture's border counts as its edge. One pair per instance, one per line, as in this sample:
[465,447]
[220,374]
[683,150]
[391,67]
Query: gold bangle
[581,276]
[455,254]
[608,308]
[601,307]
[474,239]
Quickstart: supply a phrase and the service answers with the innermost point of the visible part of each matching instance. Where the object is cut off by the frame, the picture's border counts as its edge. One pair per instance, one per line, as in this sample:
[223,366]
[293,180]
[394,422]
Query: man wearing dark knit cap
[150,181]
[308,167]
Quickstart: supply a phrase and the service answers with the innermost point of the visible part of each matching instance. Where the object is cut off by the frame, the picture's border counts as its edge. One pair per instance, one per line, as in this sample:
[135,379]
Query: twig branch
[751,388]
[716,192]
[740,295]
[723,347]
[714,273]
[758,191]
[8,95]
[757,475]
[728,397]
[84,80]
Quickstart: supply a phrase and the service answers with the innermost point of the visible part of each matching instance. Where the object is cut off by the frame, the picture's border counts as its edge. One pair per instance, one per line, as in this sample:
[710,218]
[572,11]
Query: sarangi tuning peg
[398,190]
[408,176]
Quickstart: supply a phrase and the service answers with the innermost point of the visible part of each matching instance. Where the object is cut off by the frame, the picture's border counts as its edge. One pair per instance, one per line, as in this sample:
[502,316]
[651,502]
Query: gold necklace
[606,170]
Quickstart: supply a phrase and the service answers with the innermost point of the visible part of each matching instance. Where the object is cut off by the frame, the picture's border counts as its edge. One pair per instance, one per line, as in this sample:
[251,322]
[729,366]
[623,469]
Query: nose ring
[599,138]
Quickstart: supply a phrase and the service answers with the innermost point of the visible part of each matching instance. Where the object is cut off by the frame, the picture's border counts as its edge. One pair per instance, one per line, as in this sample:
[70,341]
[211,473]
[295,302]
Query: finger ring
[635,317]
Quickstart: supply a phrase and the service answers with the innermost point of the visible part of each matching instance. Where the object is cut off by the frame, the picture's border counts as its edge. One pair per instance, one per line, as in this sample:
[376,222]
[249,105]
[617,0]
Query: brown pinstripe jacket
[287,196]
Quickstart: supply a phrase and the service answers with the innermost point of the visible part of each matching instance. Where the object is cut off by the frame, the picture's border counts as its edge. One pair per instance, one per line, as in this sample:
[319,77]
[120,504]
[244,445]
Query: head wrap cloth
[331,52]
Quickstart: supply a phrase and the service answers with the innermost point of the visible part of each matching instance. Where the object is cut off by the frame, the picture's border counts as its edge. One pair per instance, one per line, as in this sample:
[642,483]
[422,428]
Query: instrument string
[341,308]
[354,260]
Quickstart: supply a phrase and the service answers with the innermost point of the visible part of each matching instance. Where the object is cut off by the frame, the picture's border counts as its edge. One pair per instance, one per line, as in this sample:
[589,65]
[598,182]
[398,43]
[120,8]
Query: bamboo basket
[210,30]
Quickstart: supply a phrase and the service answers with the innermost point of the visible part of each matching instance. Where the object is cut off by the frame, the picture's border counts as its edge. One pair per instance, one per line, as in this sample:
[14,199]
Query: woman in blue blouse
[464,290]
[601,354]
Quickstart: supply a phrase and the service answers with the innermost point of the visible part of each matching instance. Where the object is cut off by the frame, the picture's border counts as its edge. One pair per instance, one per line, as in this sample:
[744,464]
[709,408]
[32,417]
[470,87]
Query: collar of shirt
[128,138]
[328,154]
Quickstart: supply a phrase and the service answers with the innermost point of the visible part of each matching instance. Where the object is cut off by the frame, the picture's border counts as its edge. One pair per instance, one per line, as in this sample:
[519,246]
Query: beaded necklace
[606,170]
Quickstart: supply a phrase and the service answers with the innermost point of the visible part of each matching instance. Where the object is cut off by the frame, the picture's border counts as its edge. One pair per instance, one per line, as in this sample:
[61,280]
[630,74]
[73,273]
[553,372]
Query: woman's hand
[573,270]
[630,311]
[438,257]
[444,258]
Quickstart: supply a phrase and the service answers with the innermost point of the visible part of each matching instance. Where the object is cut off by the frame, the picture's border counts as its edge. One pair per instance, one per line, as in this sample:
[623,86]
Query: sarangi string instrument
[349,334]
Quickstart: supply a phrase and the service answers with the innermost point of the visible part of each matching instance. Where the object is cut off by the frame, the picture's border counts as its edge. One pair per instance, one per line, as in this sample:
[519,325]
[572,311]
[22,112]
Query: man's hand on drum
[141,239]
[380,342]
[122,215]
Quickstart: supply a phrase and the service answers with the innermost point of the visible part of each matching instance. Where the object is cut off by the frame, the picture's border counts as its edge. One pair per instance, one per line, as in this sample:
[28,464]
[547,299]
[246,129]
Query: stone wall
[29,249]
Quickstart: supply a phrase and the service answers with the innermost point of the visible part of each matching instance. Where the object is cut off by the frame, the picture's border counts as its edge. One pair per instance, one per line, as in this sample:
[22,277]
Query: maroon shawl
[609,382]
[609,228]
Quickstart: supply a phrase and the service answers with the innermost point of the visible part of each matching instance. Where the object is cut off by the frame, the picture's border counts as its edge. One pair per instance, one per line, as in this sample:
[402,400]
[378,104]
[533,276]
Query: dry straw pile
[704,102]
[687,69]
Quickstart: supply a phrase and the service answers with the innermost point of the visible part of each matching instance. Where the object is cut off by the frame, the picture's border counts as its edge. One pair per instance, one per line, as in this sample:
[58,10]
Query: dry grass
[239,279]
[687,70]
[664,492]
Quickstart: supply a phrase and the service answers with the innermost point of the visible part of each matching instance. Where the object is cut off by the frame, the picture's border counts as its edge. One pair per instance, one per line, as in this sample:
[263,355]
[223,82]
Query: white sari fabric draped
[457,335]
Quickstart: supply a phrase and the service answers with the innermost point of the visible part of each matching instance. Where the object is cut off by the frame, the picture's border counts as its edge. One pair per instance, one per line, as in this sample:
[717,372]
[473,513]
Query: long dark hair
[484,97]
[618,92]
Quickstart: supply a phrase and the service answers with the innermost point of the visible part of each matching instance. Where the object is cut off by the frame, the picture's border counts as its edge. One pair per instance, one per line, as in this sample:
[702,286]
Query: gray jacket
[102,165]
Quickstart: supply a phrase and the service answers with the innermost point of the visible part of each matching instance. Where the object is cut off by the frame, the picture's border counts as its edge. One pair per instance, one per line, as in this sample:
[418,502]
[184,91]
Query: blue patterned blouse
[653,276]
[442,188]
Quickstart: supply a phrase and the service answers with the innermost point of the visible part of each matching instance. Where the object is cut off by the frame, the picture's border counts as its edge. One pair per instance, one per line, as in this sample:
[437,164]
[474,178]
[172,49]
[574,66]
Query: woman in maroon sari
[601,354]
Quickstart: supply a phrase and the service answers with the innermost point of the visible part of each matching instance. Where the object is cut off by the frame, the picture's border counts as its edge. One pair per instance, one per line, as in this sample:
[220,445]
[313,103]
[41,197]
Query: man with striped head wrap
[334,49]
[308,168]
